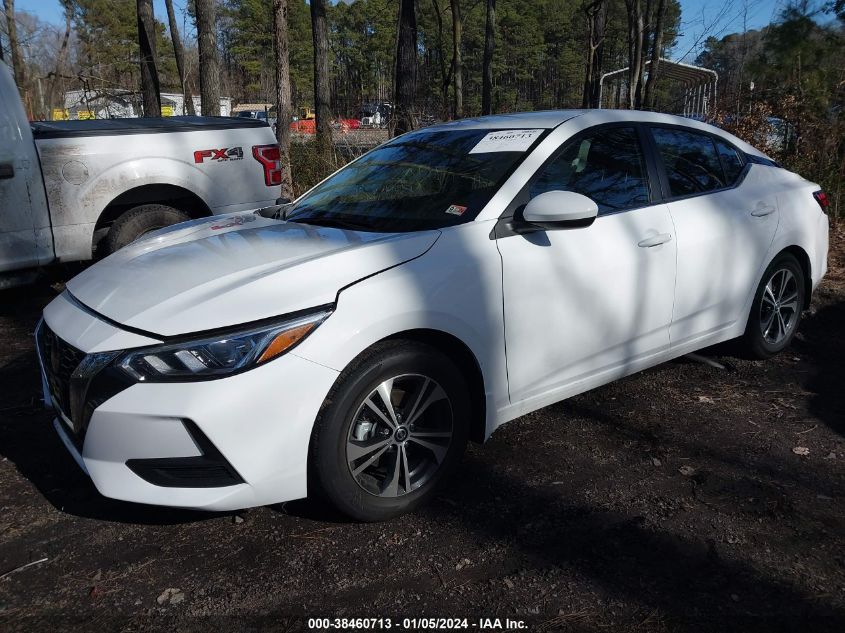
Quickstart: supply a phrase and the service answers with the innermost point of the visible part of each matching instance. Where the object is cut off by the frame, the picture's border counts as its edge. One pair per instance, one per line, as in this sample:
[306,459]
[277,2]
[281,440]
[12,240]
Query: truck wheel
[139,221]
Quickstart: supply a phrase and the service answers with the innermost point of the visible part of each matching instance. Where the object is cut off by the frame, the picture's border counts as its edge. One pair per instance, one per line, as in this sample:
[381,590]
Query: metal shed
[699,86]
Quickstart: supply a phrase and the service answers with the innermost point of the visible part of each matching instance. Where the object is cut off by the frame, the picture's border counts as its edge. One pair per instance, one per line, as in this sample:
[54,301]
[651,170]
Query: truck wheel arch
[166,194]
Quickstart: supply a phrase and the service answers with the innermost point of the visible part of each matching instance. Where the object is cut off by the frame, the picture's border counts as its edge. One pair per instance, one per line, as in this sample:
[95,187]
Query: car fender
[137,172]
[75,208]
[801,224]
[432,292]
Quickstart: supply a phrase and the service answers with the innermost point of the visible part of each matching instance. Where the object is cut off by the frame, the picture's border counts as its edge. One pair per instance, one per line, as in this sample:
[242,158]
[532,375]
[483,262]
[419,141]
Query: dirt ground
[685,498]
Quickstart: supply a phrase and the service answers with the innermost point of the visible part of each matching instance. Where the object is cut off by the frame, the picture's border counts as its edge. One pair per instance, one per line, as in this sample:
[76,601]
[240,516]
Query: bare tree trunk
[60,59]
[179,54]
[644,39]
[444,85]
[150,89]
[487,68]
[656,51]
[457,60]
[209,61]
[446,77]
[284,107]
[406,68]
[322,89]
[596,12]
[636,26]
[14,45]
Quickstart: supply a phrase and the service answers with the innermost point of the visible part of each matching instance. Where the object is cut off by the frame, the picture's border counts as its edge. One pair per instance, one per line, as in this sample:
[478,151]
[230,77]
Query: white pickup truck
[69,189]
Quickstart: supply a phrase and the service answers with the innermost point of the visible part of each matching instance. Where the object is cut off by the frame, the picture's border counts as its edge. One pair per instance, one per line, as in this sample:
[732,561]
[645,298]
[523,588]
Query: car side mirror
[559,210]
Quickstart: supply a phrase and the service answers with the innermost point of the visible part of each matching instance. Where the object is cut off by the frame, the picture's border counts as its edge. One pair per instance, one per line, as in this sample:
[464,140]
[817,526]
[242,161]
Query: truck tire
[139,221]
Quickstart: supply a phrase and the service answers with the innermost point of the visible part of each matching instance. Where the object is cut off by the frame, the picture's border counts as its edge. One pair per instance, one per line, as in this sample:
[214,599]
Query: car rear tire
[776,310]
[392,430]
[139,221]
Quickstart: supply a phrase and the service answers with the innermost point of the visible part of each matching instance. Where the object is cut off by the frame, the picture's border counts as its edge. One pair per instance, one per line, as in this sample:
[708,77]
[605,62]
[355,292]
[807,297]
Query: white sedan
[348,344]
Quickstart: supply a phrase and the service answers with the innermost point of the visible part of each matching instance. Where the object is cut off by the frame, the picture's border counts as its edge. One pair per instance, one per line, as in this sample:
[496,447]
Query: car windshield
[421,180]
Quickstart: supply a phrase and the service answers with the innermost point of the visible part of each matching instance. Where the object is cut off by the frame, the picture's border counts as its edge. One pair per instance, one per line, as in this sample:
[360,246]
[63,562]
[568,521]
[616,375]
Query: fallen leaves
[171,596]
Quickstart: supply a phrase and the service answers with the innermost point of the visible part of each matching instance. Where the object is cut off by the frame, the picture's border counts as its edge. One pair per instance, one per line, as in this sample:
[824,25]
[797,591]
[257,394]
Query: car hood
[233,269]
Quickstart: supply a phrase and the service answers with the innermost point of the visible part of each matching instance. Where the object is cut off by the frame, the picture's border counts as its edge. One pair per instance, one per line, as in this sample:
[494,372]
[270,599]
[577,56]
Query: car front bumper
[222,444]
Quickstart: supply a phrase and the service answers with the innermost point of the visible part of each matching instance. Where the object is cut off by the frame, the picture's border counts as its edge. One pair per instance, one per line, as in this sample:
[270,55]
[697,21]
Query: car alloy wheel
[392,430]
[779,306]
[400,435]
[776,309]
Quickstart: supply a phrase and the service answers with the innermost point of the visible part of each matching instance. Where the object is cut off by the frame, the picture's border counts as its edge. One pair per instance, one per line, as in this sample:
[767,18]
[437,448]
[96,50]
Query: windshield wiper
[277,211]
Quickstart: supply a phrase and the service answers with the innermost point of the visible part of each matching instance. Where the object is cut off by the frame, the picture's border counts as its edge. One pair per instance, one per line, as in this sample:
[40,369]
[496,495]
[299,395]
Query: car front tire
[392,430]
[776,310]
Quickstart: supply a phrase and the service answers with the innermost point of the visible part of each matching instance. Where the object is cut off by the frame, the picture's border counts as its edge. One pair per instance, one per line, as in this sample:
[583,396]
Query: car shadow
[689,581]
[823,338]
[29,441]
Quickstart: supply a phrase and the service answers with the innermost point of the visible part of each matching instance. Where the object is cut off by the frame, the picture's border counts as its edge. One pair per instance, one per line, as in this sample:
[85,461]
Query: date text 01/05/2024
[415,624]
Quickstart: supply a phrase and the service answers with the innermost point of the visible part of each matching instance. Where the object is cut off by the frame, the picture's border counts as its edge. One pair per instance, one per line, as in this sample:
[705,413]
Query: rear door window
[691,161]
[731,162]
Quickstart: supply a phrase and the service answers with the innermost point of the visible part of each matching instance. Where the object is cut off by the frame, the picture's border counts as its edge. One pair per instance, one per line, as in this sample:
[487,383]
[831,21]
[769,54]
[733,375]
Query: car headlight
[222,354]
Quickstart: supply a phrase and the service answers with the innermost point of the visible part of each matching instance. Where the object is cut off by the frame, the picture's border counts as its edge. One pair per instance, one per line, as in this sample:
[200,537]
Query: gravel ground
[685,498]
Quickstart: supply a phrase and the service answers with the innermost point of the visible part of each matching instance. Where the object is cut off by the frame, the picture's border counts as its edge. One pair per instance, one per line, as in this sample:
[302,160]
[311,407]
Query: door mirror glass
[560,210]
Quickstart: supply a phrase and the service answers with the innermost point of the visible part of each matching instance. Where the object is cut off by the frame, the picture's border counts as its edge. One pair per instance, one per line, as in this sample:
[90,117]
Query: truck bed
[151,125]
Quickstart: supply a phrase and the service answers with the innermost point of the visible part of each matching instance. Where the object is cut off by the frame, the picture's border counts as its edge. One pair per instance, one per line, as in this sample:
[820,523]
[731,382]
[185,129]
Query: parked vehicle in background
[448,281]
[268,116]
[375,115]
[261,115]
[70,188]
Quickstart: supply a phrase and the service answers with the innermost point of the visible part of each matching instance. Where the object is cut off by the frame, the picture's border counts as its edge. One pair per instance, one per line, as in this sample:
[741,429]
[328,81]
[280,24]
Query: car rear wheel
[393,429]
[776,310]
[139,221]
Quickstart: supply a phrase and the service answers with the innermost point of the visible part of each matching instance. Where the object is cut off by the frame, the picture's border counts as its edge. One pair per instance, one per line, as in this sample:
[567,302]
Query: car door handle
[654,240]
[763,209]
[7,170]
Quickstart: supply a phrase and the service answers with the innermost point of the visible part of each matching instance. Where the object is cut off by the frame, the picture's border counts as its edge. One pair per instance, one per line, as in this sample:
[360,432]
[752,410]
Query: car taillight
[270,159]
[821,198]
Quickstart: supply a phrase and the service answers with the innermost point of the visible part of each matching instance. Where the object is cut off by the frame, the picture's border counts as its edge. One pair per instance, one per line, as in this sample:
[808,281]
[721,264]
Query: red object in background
[304,126]
[309,126]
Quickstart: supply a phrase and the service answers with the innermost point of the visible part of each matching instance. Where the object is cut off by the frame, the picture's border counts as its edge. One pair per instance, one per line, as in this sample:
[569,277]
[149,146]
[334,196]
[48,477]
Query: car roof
[552,118]
[538,119]
[548,119]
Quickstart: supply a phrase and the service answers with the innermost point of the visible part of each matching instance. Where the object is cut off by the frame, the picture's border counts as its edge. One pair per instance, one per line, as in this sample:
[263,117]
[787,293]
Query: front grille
[78,382]
[59,360]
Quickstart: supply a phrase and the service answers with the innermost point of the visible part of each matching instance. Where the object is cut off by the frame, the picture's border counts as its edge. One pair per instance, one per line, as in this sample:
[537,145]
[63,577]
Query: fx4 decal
[219,155]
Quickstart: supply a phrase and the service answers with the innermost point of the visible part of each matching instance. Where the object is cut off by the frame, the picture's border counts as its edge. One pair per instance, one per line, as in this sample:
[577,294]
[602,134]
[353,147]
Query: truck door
[25,238]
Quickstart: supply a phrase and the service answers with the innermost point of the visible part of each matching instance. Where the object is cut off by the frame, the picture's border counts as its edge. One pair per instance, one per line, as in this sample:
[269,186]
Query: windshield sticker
[456,209]
[506,141]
